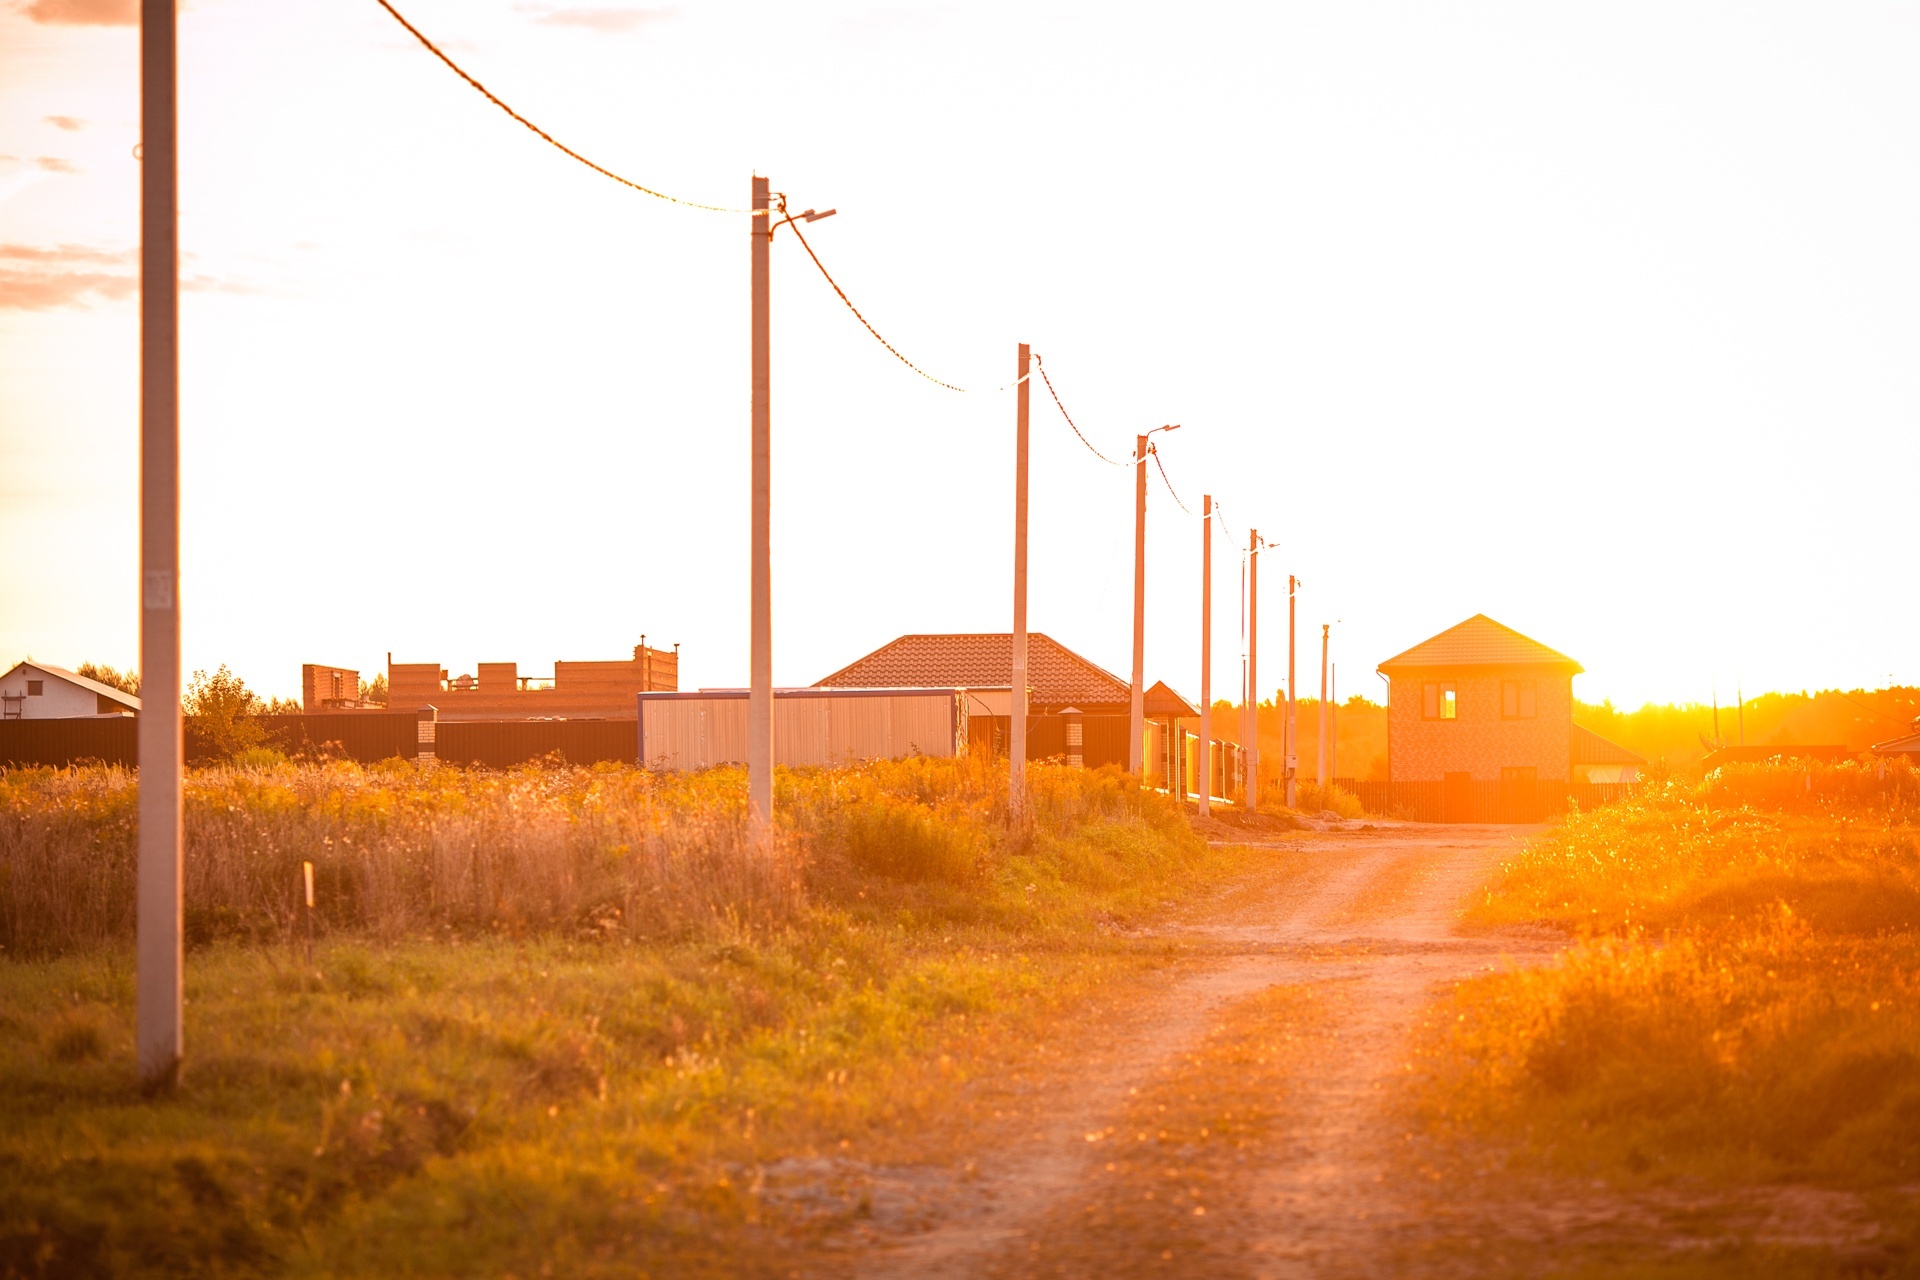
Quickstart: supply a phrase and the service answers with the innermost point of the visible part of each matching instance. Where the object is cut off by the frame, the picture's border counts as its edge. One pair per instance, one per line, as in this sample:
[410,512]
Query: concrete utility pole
[1205,789]
[158,1040]
[1293,702]
[1252,754]
[1017,726]
[760,662]
[1333,720]
[1137,708]
[1320,770]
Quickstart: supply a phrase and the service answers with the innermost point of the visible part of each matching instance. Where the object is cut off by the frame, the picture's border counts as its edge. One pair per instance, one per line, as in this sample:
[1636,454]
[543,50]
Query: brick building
[1480,702]
[575,690]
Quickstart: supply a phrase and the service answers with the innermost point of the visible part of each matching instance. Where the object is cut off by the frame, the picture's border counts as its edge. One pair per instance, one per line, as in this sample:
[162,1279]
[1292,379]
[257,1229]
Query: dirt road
[1146,1132]
[1241,1119]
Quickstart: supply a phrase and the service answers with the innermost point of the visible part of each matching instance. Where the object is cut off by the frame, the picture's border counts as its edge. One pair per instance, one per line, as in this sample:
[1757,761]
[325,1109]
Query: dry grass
[556,1019]
[401,851]
[1743,1002]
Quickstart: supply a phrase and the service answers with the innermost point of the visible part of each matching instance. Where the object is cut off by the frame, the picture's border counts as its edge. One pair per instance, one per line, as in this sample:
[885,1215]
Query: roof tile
[1590,748]
[1481,642]
[1055,673]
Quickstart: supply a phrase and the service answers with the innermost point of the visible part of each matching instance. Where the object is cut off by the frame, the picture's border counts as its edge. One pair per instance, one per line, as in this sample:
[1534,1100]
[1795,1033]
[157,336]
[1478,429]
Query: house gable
[39,691]
[1057,676]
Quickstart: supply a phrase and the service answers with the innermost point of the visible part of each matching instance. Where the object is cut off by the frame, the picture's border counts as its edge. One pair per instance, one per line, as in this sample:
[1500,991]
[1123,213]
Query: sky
[1598,319]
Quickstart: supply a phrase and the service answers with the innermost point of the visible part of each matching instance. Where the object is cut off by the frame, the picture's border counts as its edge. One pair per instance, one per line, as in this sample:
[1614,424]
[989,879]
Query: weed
[1743,999]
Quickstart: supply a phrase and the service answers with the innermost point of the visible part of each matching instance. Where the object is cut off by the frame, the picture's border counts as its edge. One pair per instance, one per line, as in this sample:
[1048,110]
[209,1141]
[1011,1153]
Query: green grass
[1741,1003]
[516,1092]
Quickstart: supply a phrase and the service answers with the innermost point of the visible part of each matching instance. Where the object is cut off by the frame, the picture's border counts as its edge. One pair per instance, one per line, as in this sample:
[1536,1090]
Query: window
[1517,700]
[1438,701]
[1527,773]
[36,688]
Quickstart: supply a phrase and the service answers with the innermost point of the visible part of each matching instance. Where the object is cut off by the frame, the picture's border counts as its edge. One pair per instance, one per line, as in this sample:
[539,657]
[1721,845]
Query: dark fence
[366,736]
[59,743]
[1465,801]
[501,744]
[1103,739]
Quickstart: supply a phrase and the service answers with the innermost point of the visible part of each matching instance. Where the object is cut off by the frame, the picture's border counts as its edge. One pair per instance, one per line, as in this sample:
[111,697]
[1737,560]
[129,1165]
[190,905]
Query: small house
[1598,761]
[1057,677]
[1480,702]
[37,691]
[1077,710]
[1906,746]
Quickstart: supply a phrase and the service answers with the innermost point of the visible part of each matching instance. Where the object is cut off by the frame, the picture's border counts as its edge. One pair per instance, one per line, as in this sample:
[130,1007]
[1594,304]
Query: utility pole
[1017,727]
[1333,720]
[760,662]
[1205,789]
[160,961]
[1137,709]
[1251,795]
[1293,702]
[1320,767]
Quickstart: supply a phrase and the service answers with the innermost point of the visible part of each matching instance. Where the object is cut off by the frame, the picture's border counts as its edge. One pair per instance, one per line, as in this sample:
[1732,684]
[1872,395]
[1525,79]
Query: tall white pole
[1137,708]
[1205,789]
[1293,701]
[1333,723]
[1253,671]
[760,664]
[1017,724]
[1320,768]
[158,1038]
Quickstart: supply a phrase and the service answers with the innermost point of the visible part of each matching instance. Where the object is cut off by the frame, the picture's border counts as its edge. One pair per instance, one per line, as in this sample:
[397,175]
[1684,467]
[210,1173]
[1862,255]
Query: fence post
[1076,737]
[426,719]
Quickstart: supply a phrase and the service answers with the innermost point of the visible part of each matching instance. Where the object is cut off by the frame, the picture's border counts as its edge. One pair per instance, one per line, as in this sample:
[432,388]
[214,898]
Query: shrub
[1315,799]
[1743,1000]
[612,850]
[222,714]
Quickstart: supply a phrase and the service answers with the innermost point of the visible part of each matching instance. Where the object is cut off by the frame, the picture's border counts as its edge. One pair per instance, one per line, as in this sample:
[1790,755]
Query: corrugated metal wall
[502,744]
[58,743]
[810,727]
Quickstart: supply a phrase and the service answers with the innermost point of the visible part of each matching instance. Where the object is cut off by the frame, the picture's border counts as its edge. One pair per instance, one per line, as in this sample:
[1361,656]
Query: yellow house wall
[1480,742]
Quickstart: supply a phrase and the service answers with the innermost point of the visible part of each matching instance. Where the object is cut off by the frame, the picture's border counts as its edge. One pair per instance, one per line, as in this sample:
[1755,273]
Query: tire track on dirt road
[1370,930]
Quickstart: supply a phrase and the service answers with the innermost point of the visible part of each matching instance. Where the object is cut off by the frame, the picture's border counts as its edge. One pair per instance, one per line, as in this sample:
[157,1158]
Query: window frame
[1522,696]
[1439,700]
[36,688]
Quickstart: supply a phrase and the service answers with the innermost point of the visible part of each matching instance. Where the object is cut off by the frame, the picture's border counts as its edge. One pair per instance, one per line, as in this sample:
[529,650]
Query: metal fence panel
[59,743]
[502,744]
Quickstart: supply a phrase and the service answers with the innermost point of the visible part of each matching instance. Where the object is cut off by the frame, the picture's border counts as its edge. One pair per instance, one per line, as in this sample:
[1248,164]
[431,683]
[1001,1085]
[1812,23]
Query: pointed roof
[1480,642]
[1907,746]
[127,700]
[1162,700]
[982,660]
[1590,748]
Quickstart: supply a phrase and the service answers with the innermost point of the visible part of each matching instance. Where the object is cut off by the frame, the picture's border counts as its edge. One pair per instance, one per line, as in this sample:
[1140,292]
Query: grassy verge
[1742,1003]
[537,1036]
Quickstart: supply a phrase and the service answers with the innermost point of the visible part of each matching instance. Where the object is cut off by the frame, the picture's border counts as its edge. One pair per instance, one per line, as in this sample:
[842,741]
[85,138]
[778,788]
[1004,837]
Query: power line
[826,275]
[1155,451]
[1069,417]
[542,133]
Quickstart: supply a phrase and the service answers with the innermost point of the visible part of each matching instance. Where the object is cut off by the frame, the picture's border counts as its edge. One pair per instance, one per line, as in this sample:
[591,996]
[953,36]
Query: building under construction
[497,690]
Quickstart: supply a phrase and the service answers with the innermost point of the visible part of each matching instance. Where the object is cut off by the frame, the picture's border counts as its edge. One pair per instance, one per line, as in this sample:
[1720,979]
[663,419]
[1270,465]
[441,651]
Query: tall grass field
[556,1021]
[1742,1002]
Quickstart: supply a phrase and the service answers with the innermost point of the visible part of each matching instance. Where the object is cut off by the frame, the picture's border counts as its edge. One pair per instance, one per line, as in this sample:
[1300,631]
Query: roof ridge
[85,682]
[1458,645]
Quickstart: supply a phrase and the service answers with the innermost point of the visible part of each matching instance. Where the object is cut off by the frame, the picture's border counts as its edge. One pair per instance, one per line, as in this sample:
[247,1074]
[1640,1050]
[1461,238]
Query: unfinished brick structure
[1480,702]
[575,691]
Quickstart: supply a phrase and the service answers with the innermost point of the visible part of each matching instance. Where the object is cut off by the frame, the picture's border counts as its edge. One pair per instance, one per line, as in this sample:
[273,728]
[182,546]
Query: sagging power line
[542,134]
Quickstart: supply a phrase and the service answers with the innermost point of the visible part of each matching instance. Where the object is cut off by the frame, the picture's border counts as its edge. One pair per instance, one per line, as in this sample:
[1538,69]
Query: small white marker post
[306,870]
